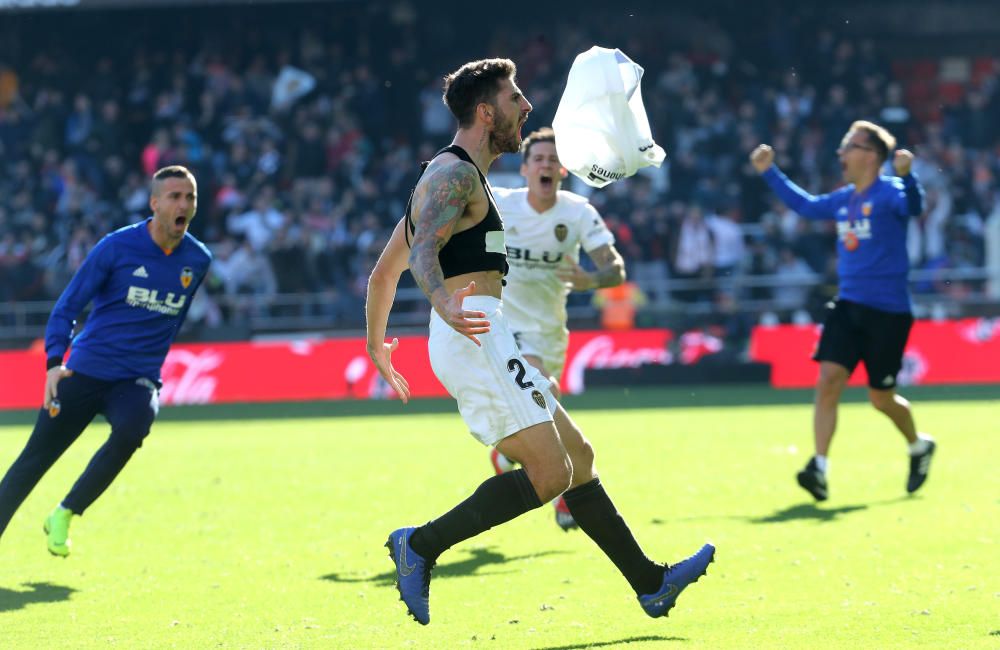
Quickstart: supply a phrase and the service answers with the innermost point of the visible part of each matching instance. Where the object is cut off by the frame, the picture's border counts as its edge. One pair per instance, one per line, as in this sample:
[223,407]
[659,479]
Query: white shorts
[548,346]
[498,392]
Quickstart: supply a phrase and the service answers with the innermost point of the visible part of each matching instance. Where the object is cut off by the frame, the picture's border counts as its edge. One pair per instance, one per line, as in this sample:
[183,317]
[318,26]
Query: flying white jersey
[537,243]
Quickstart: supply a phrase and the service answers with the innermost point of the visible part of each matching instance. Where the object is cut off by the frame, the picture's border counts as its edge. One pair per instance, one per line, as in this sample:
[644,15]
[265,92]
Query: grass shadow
[797,512]
[806,511]
[37,592]
[476,560]
[803,511]
[613,644]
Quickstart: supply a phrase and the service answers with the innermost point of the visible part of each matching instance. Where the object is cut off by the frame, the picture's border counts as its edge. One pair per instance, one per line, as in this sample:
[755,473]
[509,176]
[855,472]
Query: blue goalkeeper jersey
[871,234]
[141,295]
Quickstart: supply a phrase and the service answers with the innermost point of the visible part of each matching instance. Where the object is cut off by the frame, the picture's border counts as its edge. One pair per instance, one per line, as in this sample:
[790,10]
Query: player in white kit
[545,228]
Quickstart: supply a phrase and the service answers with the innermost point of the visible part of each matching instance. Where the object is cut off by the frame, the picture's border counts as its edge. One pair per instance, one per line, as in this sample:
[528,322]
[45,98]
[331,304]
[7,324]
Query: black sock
[596,514]
[498,499]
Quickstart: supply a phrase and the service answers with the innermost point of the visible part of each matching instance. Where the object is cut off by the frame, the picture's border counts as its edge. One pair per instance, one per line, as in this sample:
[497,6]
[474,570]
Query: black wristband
[53,362]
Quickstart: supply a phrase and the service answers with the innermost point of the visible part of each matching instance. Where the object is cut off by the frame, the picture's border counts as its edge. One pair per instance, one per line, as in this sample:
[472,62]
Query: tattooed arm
[610,270]
[438,205]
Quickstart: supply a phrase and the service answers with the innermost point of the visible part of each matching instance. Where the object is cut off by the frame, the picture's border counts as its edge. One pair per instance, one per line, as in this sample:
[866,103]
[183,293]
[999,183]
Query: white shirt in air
[534,299]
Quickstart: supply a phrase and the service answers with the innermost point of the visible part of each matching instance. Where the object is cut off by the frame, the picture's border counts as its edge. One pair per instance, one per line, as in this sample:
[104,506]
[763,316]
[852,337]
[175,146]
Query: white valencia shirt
[534,299]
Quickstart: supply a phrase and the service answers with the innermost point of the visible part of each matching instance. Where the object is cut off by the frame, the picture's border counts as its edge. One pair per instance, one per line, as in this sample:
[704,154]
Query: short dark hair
[474,83]
[544,134]
[878,137]
[172,171]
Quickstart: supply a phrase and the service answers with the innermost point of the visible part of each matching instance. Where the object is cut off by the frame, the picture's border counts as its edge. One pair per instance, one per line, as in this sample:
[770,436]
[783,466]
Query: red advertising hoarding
[320,369]
[939,352]
[948,352]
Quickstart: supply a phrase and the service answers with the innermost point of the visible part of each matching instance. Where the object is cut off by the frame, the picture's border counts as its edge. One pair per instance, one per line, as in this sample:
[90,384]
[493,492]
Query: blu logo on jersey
[852,231]
[149,299]
[524,254]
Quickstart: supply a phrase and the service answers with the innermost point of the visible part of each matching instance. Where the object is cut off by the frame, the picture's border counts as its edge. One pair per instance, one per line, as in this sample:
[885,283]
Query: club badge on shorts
[537,396]
[561,231]
[186,276]
[54,408]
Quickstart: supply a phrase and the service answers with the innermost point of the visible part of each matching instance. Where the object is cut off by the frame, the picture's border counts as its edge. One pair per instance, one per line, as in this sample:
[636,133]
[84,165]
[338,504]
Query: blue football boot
[675,579]
[413,575]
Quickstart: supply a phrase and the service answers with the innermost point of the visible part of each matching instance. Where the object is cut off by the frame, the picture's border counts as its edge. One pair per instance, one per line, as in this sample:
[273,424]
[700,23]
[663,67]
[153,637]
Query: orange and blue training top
[871,234]
[141,295]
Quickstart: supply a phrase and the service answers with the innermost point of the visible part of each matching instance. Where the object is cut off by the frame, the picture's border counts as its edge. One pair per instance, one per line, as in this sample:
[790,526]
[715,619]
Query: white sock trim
[921,444]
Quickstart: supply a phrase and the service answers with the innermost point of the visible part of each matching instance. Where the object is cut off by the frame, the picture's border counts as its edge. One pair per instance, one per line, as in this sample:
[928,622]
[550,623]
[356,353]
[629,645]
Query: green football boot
[57,531]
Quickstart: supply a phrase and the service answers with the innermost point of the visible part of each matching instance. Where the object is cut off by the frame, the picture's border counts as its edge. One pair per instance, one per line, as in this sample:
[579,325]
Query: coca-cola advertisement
[320,369]
[612,349]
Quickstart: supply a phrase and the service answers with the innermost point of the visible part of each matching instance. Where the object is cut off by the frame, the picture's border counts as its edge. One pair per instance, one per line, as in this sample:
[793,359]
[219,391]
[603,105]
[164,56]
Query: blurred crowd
[302,175]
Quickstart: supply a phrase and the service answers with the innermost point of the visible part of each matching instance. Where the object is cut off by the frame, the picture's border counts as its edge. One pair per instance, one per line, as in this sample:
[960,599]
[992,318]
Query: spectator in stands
[258,224]
[727,237]
[290,260]
[693,254]
[794,282]
[72,124]
[619,304]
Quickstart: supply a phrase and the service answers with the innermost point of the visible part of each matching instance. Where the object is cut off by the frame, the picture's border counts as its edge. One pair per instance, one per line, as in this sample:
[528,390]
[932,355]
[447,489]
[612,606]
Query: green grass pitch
[269,533]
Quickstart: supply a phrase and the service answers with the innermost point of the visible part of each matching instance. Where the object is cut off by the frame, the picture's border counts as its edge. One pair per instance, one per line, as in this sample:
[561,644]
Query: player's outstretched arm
[796,198]
[902,162]
[610,270]
[381,293]
[438,204]
[81,289]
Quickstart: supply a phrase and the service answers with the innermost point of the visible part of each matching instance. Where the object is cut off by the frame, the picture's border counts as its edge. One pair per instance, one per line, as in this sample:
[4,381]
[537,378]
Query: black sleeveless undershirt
[466,251]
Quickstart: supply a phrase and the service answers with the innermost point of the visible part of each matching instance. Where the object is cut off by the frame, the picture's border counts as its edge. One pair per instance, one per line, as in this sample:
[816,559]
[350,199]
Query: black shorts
[854,332]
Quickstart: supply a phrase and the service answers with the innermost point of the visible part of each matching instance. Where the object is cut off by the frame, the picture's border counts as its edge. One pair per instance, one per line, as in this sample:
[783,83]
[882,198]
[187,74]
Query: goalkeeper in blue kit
[870,320]
[141,279]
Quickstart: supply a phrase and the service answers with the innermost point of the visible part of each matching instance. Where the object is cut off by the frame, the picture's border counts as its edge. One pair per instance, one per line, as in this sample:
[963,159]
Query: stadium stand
[298,193]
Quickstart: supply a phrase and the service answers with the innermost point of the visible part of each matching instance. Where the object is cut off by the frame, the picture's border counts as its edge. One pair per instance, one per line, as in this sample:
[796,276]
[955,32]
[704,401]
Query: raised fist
[902,162]
[762,158]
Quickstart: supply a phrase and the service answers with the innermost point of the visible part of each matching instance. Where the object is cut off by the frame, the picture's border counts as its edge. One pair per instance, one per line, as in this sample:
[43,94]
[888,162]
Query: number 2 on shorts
[516,365]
